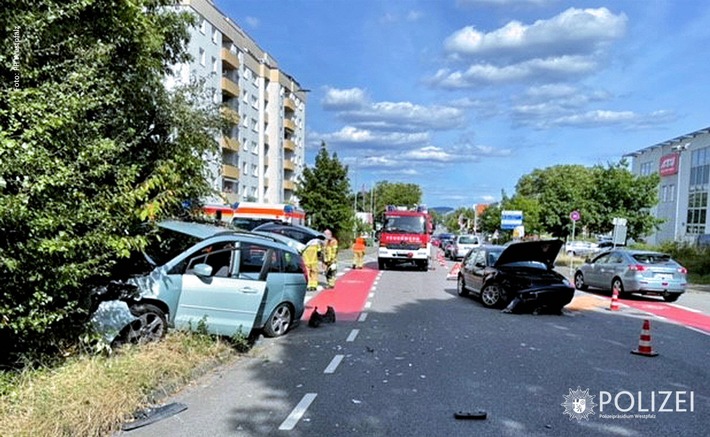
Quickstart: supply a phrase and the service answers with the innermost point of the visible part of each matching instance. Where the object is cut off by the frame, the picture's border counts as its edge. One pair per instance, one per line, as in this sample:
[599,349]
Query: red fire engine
[405,237]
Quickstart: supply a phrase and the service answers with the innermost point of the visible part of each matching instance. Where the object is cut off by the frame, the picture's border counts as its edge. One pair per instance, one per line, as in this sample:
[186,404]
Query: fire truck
[405,237]
[248,215]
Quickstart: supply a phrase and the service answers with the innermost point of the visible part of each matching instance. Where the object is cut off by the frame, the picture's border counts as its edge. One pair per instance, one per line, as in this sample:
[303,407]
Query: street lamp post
[680,148]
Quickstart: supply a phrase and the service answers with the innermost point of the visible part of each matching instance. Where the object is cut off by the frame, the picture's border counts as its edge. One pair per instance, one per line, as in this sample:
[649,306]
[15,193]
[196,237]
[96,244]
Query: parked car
[580,248]
[302,234]
[520,273]
[229,281]
[634,271]
[461,244]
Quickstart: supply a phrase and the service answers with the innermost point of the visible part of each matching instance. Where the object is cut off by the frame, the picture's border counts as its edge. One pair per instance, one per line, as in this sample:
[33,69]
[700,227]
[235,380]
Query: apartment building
[263,156]
[684,166]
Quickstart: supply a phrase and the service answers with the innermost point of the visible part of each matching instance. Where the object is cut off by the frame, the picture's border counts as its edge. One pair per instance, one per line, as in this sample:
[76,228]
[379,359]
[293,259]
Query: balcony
[229,87]
[229,58]
[230,197]
[230,114]
[289,165]
[230,171]
[289,185]
[289,145]
[290,105]
[289,124]
[229,143]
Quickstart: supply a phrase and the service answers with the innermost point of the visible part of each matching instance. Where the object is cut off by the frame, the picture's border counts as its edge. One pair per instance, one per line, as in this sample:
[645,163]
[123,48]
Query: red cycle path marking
[679,315]
[347,298]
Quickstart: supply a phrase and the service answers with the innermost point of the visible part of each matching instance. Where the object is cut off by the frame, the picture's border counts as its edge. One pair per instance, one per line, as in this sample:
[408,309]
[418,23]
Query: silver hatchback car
[634,271]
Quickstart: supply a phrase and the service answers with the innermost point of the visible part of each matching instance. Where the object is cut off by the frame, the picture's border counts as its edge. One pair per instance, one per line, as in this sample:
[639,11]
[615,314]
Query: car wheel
[461,287]
[492,295]
[671,297]
[579,281]
[150,325]
[381,265]
[616,284]
[279,321]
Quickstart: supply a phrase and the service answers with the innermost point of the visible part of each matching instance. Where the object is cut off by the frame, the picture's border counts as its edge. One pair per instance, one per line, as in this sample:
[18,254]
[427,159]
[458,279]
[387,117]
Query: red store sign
[668,165]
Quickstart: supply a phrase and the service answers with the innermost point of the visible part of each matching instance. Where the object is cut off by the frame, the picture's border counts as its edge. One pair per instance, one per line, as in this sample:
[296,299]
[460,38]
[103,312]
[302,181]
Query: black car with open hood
[516,276]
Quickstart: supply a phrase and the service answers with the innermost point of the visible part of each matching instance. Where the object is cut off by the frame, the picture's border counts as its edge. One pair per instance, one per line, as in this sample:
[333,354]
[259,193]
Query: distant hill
[443,210]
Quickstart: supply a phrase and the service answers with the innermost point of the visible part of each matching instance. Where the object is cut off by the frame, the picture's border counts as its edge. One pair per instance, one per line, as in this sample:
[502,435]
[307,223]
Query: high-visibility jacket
[330,252]
[311,253]
[359,245]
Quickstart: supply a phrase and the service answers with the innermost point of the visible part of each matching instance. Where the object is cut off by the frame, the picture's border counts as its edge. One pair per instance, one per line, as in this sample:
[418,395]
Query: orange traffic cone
[645,348]
[454,272]
[614,300]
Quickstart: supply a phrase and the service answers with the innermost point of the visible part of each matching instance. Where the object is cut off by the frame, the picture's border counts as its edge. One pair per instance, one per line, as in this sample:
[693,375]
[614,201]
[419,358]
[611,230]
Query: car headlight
[567,282]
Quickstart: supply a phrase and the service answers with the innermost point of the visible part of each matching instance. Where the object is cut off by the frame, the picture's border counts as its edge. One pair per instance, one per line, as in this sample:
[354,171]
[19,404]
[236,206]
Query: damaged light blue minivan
[229,281]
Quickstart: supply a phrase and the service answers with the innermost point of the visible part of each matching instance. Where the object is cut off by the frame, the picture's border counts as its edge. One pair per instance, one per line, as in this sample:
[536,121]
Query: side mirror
[202,270]
[587,260]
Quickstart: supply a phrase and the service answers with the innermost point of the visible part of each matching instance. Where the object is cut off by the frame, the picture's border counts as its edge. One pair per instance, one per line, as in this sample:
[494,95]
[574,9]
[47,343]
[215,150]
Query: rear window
[652,258]
[468,240]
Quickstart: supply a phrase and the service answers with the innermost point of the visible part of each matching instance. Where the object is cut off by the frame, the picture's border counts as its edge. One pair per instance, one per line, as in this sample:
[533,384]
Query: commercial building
[684,166]
[263,156]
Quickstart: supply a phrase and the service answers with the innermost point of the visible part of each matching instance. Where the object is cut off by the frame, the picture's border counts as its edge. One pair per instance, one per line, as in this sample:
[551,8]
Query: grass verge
[93,395]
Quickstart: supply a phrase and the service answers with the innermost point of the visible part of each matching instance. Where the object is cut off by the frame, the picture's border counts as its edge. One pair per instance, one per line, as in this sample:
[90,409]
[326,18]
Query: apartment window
[245,96]
[245,168]
[215,65]
[203,26]
[245,145]
[254,101]
[698,191]
[253,169]
[215,36]
[254,147]
[254,124]
[202,57]
[646,168]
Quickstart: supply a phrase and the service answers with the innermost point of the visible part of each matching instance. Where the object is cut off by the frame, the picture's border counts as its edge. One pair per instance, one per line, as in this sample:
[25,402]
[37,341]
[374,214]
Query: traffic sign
[575,216]
[510,219]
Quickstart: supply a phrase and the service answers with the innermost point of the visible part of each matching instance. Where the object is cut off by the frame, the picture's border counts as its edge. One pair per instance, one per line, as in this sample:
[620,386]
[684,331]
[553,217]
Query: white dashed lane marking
[353,335]
[298,412]
[334,363]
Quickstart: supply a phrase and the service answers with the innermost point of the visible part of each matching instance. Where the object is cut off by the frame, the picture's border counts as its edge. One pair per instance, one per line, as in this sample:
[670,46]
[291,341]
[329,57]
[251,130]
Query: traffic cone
[645,347]
[454,272]
[614,300]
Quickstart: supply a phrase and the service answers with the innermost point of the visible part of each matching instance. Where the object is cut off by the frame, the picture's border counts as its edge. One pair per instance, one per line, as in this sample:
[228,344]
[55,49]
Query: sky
[464,97]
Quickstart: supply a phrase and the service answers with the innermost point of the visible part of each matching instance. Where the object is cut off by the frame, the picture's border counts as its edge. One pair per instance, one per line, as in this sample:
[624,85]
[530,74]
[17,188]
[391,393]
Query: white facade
[684,166]
[263,156]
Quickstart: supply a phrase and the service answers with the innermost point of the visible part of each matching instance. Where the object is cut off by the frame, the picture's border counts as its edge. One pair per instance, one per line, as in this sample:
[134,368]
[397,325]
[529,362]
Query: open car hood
[197,230]
[544,251]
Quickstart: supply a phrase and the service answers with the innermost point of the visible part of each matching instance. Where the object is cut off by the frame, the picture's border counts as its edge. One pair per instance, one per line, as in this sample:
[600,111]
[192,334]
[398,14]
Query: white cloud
[342,99]
[353,107]
[627,119]
[506,3]
[353,136]
[545,70]
[414,15]
[574,31]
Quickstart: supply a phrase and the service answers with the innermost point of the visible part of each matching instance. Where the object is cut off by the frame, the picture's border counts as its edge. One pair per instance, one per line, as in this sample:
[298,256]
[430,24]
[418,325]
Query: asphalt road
[418,353]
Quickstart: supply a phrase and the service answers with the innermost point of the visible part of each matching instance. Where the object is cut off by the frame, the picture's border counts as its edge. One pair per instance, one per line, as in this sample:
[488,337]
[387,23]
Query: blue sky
[463,97]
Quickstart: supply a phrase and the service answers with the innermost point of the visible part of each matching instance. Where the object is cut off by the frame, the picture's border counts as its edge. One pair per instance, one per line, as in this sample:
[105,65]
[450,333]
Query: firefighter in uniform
[358,252]
[311,258]
[330,257]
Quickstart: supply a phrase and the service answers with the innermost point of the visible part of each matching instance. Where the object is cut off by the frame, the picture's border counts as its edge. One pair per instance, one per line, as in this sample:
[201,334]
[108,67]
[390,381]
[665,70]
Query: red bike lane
[675,313]
[347,298]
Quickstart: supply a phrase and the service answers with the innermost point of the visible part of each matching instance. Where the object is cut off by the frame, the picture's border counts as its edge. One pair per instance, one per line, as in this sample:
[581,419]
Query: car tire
[150,325]
[461,287]
[279,322]
[671,297]
[619,285]
[579,281]
[492,296]
[381,265]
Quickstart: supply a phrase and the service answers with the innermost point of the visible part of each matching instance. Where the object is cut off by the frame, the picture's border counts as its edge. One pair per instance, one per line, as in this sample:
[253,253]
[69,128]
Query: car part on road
[316,318]
[152,415]
[468,415]
[279,321]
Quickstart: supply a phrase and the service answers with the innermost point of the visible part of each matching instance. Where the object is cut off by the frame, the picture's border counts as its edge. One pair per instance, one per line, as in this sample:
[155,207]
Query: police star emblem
[579,404]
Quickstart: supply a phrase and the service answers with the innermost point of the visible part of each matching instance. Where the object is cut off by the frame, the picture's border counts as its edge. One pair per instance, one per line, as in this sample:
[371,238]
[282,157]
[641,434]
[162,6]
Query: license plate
[664,276]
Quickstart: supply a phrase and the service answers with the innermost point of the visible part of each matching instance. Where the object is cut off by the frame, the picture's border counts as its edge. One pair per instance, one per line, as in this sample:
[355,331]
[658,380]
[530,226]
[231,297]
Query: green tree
[396,193]
[489,220]
[558,191]
[324,193]
[92,145]
[532,211]
[620,193]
